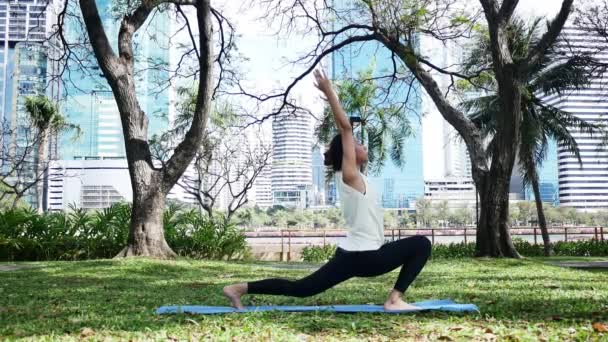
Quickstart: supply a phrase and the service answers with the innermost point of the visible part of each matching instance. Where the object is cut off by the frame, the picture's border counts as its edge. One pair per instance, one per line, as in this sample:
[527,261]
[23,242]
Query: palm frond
[571,74]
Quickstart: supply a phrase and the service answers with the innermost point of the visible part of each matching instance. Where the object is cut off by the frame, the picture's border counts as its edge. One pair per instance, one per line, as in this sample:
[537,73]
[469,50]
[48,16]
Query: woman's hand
[322,82]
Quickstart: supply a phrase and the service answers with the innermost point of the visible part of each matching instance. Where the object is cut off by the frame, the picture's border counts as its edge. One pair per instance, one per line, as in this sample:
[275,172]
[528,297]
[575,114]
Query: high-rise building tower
[584,186]
[24,69]
[291,160]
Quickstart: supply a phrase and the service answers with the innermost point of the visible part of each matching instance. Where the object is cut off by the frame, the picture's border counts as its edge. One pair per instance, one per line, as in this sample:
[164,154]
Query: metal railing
[287,236]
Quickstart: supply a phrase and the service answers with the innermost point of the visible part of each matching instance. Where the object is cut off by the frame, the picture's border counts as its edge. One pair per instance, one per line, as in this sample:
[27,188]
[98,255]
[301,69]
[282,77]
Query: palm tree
[44,115]
[541,122]
[384,128]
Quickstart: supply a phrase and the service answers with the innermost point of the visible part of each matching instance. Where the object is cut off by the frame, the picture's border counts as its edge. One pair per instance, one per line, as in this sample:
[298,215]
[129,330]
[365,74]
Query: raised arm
[350,170]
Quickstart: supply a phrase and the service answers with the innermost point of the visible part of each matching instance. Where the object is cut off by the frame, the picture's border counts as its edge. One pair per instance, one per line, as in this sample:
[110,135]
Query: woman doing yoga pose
[363,253]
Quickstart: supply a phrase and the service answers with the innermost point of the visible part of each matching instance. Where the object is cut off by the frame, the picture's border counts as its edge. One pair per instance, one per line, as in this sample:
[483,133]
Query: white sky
[267,67]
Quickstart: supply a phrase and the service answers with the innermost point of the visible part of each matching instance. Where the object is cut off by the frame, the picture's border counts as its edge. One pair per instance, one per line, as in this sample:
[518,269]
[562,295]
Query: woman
[363,252]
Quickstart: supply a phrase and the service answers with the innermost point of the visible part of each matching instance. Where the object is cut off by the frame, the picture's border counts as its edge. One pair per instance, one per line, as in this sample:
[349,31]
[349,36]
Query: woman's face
[360,153]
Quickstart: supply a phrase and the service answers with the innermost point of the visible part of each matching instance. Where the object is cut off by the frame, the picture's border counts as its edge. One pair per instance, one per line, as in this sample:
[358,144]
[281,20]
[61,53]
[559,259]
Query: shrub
[318,253]
[79,234]
[525,248]
[199,236]
[453,250]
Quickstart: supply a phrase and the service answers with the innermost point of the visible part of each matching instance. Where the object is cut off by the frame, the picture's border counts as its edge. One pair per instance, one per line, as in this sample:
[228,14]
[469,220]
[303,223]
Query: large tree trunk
[542,222]
[493,237]
[41,172]
[146,231]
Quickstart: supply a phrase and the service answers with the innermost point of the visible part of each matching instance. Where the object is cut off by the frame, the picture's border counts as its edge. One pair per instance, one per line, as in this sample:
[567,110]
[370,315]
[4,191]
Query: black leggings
[411,252]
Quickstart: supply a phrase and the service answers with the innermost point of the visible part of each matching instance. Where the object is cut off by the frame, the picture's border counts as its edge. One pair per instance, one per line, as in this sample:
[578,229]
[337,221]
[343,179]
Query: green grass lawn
[115,300]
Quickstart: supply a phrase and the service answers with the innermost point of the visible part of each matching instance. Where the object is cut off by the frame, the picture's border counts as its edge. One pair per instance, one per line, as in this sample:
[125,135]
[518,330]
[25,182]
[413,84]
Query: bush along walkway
[525,300]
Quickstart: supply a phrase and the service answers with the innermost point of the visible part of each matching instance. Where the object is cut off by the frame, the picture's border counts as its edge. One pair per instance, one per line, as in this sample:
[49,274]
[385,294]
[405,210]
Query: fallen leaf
[489,331]
[455,328]
[552,286]
[489,337]
[600,327]
[85,332]
[303,337]
[556,318]
[192,321]
[445,338]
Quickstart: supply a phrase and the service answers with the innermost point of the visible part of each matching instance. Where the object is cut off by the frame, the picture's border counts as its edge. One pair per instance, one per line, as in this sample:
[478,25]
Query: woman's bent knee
[423,243]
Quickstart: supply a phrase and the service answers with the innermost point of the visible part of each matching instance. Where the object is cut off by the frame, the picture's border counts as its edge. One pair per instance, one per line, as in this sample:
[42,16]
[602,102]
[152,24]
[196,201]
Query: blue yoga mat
[434,305]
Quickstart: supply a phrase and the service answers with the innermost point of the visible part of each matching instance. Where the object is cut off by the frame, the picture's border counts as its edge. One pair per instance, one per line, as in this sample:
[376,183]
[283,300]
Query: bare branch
[553,30]
[99,40]
[186,150]
[507,8]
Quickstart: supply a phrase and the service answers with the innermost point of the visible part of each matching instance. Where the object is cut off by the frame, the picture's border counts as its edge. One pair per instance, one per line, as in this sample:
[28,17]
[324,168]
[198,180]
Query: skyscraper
[24,68]
[584,186]
[23,59]
[291,160]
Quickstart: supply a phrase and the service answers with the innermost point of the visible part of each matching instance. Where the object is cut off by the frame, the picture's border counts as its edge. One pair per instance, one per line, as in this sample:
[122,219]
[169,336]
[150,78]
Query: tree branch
[99,39]
[553,31]
[490,8]
[187,149]
[465,127]
[507,8]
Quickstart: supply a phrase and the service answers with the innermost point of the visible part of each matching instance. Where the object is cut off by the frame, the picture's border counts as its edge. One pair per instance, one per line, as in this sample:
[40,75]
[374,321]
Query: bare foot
[234,293]
[398,305]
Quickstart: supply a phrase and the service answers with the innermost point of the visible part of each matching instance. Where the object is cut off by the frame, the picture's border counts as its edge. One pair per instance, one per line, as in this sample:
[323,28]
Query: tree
[44,115]
[226,164]
[320,220]
[399,27]
[541,122]
[390,219]
[568,214]
[442,212]
[551,213]
[384,127]
[461,216]
[424,213]
[524,209]
[150,183]
[279,218]
[404,220]
[593,15]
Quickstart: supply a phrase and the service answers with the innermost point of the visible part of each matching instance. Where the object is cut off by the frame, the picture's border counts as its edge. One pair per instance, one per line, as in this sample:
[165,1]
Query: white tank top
[363,215]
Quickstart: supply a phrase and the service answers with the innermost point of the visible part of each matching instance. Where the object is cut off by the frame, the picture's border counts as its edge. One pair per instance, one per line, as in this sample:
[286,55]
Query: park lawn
[115,300]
